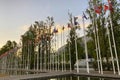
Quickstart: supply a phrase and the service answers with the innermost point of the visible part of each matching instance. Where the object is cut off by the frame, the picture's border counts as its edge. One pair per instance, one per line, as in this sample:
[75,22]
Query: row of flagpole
[8,62]
[98,11]
[43,62]
[97,44]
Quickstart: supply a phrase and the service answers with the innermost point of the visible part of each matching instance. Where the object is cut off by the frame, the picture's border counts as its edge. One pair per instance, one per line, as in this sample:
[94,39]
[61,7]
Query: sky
[17,15]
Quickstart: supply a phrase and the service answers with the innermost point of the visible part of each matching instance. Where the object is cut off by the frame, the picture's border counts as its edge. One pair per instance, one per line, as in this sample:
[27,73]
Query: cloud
[25,27]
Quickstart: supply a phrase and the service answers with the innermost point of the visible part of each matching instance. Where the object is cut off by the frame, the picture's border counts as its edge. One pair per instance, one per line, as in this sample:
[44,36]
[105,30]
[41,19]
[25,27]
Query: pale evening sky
[17,15]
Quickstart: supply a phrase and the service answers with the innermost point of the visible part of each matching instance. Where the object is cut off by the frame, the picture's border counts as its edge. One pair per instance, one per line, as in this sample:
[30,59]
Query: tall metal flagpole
[45,68]
[98,60]
[50,60]
[98,44]
[113,64]
[34,59]
[77,61]
[55,51]
[38,57]
[61,50]
[64,50]
[50,51]
[28,62]
[31,44]
[70,25]
[113,37]
[58,54]
[114,46]
[41,52]
[23,60]
[69,50]
[53,60]
[85,42]
[99,51]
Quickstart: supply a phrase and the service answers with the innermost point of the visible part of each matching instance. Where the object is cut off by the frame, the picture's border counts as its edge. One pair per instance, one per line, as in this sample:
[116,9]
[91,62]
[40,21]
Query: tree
[8,46]
[71,44]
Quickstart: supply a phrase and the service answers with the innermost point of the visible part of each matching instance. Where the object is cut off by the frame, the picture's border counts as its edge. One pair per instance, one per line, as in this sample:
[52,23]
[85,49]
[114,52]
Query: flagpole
[53,55]
[99,51]
[113,64]
[55,51]
[61,50]
[86,51]
[50,50]
[69,50]
[50,60]
[98,44]
[45,57]
[34,57]
[58,55]
[24,60]
[77,61]
[22,56]
[114,45]
[31,44]
[64,51]
[76,51]
[40,54]
[113,37]
[28,56]
[98,60]
[38,57]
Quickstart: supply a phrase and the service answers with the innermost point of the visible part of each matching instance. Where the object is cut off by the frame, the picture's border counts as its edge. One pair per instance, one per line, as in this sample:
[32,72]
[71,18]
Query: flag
[69,25]
[106,8]
[84,16]
[63,28]
[98,9]
[109,1]
[75,21]
[55,30]
[110,5]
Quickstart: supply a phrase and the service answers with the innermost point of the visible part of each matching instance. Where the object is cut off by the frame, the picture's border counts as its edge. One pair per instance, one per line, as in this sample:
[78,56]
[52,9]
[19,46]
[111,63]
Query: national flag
[75,21]
[84,16]
[110,5]
[109,1]
[98,9]
[63,28]
[55,30]
[106,7]
[69,25]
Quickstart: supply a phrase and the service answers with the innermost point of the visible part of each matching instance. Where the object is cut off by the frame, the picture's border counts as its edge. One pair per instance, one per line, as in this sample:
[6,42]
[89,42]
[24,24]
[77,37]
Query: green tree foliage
[39,34]
[71,44]
[8,46]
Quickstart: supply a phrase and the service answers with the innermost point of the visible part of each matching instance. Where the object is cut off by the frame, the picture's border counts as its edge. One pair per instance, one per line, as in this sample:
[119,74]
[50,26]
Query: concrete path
[60,74]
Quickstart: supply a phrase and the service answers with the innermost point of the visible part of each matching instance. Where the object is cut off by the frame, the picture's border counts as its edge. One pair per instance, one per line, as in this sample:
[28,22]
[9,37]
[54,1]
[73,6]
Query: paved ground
[52,74]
